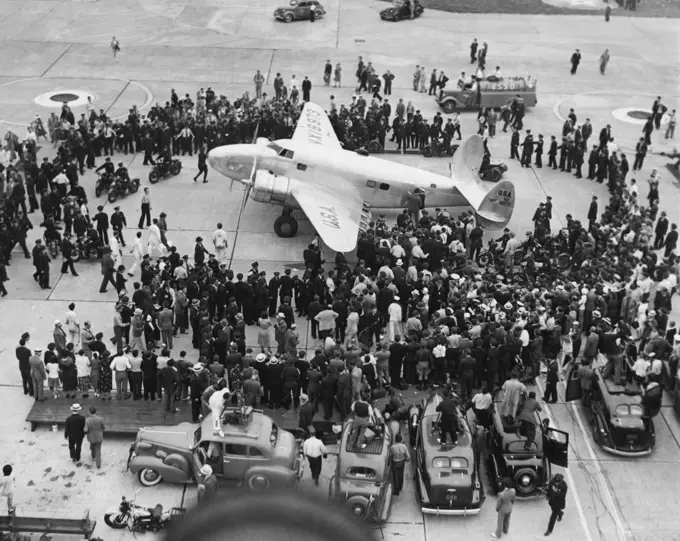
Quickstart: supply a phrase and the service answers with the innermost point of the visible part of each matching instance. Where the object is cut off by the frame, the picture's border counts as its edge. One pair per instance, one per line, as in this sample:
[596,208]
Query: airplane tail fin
[494,208]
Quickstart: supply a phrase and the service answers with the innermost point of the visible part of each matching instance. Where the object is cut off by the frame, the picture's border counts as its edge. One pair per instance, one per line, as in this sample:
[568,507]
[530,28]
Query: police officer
[118,221]
[67,255]
[557,499]
[107,166]
[102,221]
[514,144]
[552,152]
[539,151]
[122,175]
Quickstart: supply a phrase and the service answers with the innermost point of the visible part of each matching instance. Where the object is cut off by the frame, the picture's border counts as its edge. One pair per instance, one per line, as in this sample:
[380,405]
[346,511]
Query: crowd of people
[416,308]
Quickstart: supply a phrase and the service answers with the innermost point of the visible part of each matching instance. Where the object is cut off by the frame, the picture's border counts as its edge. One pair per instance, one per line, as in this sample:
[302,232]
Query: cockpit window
[276,148]
[285,153]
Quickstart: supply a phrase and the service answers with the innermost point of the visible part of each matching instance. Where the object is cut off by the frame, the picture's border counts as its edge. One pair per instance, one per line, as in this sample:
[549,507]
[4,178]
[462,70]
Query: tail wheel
[484,259]
[113,195]
[493,175]
[427,152]
[374,147]
[134,185]
[175,168]
[153,176]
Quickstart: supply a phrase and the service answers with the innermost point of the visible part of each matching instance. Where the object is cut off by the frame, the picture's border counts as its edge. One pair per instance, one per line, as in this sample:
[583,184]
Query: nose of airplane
[231,160]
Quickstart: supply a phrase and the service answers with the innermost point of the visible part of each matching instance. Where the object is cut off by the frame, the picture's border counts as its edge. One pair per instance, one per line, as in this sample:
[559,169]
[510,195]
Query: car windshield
[274,436]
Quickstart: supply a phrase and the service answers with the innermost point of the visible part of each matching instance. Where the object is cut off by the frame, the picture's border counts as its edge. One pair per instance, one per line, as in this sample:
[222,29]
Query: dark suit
[74,432]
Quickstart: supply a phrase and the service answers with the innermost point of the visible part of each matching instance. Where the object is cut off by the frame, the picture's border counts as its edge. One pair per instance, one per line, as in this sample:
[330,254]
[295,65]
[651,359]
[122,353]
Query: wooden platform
[126,417]
[120,416]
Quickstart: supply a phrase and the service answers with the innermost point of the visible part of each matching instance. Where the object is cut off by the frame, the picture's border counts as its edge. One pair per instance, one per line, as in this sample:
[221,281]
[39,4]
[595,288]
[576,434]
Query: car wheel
[149,477]
[288,18]
[526,481]
[258,481]
[449,106]
[358,506]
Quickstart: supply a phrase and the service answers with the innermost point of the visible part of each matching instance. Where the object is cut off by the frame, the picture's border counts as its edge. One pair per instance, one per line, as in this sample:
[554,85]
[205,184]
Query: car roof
[372,456]
[432,447]
[615,395]
[257,430]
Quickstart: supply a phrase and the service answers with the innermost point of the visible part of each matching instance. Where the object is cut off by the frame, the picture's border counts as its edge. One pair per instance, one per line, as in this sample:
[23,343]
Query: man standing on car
[400,456]
[557,499]
[449,422]
[528,419]
[315,451]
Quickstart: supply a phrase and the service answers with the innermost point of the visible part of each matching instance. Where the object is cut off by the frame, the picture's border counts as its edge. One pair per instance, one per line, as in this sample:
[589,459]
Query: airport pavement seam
[57,60]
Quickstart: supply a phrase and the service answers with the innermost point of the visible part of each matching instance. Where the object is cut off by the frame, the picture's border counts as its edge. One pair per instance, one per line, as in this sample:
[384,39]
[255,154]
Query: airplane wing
[336,214]
[314,127]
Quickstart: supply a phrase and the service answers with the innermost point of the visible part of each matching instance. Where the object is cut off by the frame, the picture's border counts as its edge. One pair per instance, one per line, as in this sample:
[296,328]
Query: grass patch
[647,8]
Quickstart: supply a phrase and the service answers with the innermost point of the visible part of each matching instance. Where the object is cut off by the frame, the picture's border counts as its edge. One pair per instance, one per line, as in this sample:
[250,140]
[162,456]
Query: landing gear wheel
[492,175]
[286,227]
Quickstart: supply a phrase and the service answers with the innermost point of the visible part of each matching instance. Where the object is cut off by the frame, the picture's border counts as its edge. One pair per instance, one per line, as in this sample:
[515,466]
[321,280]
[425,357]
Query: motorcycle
[160,171]
[141,519]
[86,249]
[104,181]
[440,148]
[118,189]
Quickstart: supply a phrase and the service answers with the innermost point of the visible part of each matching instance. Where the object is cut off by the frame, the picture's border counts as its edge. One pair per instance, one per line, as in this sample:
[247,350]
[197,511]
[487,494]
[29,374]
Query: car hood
[180,436]
[287,448]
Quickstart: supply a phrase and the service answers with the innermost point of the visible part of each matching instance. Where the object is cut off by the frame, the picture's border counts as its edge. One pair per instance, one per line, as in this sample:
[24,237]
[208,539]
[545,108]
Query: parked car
[299,11]
[530,470]
[363,477]
[254,452]
[401,10]
[446,476]
[488,93]
[622,421]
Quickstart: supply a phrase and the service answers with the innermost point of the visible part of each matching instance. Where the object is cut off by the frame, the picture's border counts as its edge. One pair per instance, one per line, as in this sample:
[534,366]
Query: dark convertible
[401,10]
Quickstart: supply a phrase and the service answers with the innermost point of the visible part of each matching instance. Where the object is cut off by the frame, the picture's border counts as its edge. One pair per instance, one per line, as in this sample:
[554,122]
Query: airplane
[337,188]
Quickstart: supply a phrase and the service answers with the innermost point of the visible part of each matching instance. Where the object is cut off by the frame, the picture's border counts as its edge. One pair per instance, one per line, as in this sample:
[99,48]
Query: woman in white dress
[263,334]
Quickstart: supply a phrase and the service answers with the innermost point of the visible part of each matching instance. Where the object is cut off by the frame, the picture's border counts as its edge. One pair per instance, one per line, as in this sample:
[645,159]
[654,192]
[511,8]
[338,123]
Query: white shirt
[120,363]
[293,84]
[397,251]
[154,234]
[71,321]
[641,367]
[314,447]
[482,401]
[395,312]
[219,238]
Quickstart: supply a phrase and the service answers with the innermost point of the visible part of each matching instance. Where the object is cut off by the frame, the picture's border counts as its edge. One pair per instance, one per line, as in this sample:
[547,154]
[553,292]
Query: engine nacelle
[270,188]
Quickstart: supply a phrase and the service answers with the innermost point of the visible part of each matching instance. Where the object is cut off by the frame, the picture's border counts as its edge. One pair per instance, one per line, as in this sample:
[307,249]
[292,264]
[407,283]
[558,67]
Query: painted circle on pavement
[74,98]
[634,115]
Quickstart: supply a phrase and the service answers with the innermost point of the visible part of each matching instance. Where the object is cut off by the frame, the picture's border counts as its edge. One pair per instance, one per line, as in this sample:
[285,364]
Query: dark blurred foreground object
[271,516]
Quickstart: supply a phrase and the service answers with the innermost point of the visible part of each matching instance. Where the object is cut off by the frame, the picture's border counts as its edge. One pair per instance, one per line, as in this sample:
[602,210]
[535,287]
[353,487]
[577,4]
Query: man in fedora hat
[74,432]
[207,489]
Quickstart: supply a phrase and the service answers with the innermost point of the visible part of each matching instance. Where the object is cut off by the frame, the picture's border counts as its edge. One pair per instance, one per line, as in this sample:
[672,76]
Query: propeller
[249,186]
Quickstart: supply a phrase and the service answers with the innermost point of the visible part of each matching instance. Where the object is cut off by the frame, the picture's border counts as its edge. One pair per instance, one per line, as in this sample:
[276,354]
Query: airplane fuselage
[381,183]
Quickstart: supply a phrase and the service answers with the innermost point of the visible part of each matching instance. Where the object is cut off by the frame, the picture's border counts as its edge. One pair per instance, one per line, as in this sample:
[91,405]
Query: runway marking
[57,60]
[620,530]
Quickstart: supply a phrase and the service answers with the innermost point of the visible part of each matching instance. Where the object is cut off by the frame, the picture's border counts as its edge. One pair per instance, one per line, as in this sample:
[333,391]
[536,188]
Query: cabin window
[371,183]
[301,167]
[235,449]
[276,148]
[384,186]
[361,473]
[433,186]
[254,451]
[285,153]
